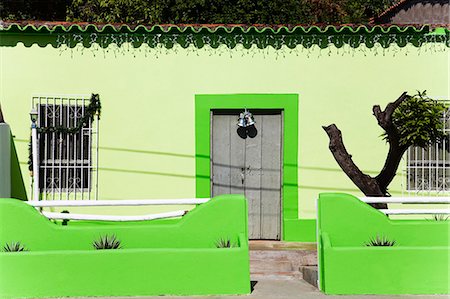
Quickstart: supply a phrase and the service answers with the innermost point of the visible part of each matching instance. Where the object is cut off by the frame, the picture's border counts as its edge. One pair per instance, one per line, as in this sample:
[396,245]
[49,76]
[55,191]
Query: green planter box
[418,264]
[5,160]
[164,257]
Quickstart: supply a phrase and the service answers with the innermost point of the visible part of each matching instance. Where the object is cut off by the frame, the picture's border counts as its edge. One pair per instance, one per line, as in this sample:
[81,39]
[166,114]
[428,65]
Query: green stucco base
[286,102]
[18,189]
[300,230]
[176,257]
[418,264]
[5,160]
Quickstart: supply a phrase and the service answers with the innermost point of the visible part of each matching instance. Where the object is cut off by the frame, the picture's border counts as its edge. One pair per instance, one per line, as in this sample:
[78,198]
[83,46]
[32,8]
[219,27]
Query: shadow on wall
[17,184]
[19,191]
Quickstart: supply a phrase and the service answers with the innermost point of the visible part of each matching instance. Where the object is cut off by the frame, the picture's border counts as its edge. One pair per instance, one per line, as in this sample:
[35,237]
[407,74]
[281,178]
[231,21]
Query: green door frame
[292,228]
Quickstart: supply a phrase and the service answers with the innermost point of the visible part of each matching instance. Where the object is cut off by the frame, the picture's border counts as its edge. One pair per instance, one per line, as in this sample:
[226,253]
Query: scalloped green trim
[124,27]
[169,35]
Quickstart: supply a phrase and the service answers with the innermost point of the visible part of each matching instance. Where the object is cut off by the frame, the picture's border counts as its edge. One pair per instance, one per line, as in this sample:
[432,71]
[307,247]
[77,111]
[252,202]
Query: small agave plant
[439,217]
[14,247]
[225,243]
[107,242]
[380,241]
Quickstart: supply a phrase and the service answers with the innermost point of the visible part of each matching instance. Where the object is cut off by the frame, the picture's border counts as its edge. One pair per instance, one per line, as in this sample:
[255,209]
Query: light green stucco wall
[147,129]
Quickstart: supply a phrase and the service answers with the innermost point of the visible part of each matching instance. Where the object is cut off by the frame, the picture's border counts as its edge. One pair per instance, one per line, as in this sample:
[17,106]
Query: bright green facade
[419,262]
[176,256]
[150,121]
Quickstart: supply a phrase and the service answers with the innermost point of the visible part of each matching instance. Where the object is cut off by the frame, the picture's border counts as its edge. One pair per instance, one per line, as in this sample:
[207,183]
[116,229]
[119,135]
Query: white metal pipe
[35,162]
[130,202]
[52,215]
[418,199]
[416,212]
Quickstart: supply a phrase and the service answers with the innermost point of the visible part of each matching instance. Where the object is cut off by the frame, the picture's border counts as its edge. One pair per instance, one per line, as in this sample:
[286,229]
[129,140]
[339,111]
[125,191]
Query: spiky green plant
[14,247]
[380,241]
[107,242]
[439,217]
[65,221]
[225,243]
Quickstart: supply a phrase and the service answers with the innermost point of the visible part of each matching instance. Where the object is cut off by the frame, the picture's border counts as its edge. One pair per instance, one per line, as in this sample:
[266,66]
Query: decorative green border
[289,104]
[55,27]
[103,35]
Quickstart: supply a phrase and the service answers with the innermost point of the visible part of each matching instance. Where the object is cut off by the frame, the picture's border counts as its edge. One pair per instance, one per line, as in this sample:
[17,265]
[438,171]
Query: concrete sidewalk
[290,289]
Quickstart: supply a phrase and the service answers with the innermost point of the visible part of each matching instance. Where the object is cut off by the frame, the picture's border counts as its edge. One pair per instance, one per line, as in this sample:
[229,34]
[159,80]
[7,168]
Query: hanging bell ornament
[249,119]
[241,120]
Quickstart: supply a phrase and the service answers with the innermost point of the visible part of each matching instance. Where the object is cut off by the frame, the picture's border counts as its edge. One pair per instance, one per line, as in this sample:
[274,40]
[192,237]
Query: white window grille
[67,161]
[428,169]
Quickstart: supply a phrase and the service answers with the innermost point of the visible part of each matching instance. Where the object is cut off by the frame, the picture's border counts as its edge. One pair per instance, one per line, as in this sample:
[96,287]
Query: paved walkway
[290,289]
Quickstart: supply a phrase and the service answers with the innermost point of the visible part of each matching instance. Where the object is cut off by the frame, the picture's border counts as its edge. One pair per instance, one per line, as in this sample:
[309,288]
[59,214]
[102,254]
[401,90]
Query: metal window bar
[66,162]
[428,170]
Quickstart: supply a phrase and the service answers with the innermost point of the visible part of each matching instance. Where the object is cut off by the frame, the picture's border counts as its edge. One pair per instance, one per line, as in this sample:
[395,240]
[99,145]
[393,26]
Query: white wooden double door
[248,162]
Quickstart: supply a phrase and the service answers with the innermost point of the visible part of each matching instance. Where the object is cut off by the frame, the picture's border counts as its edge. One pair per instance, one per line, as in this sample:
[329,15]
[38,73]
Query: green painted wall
[418,264]
[147,139]
[286,102]
[176,256]
[5,160]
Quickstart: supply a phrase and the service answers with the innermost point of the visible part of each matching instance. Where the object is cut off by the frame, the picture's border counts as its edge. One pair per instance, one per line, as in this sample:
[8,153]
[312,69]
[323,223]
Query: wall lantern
[33,116]
[245,119]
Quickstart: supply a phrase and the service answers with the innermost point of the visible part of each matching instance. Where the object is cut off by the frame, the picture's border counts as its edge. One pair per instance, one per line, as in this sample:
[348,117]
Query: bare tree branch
[2,120]
[396,151]
[384,118]
[363,181]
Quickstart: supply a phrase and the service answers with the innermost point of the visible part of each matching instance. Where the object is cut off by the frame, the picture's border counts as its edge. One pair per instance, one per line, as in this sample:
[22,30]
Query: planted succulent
[225,243]
[380,241]
[439,217]
[107,242]
[65,221]
[14,247]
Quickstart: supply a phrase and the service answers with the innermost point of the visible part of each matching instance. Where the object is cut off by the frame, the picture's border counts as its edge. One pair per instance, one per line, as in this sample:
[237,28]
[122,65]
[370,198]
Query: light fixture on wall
[245,119]
[33,115]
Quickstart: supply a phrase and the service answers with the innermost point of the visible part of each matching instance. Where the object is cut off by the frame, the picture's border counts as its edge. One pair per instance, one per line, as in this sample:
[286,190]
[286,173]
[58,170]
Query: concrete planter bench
[417,264]
[160,257]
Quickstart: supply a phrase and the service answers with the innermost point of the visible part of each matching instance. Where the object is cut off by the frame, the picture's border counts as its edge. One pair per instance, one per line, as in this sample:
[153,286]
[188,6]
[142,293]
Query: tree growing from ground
[409,121]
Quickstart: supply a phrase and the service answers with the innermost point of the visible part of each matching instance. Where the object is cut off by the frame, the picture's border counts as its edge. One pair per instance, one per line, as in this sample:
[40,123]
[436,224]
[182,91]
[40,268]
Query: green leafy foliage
[418,120]
[115,11]
[107,242]
[51,10]
[65,221]
[195,11]
[225,243]
[359,11]
[380,241]
[14,247]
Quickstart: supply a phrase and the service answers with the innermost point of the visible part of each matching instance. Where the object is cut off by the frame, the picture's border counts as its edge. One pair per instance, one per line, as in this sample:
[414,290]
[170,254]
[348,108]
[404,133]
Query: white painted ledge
[414,212]
[407,200]
[52,215]
[127,202]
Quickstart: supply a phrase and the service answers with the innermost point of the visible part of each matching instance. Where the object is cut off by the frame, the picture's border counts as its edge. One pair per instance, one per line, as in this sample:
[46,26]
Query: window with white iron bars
[66,159]
[428,169]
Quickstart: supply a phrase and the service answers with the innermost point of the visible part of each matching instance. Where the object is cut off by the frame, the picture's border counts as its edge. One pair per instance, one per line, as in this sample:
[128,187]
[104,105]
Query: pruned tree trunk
[368,185]
[371,186]
[2,120]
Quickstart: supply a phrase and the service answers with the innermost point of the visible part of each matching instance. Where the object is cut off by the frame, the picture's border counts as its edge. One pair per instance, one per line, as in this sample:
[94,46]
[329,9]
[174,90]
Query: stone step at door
[280,260]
